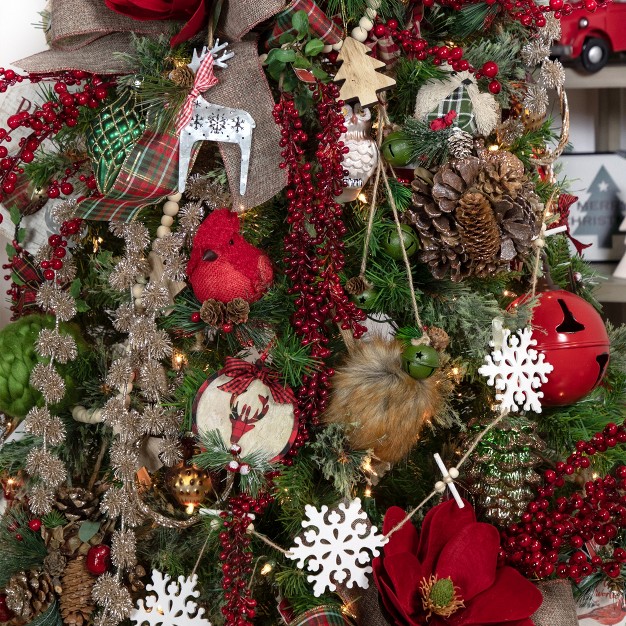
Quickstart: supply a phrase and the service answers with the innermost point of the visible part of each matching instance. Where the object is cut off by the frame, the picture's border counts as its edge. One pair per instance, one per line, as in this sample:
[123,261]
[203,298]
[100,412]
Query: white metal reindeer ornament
[201,120]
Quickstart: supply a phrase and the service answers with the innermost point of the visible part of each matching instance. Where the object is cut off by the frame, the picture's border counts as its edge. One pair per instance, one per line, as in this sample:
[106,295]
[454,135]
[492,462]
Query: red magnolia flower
[448,575]
[191,11]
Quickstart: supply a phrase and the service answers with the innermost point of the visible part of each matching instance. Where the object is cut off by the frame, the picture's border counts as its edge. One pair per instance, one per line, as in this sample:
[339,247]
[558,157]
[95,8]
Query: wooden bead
[138,303]
[358,33]
[371,13]
[366,24]
[167,220]
[374,4]
[163,231]
[337,46]
[175,197]
[327,48]
[137,290]
[171,208]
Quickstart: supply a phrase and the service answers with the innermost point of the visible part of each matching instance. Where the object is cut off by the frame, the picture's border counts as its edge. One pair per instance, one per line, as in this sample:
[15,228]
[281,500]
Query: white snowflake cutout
[336,546]
[170,606]
[517,371]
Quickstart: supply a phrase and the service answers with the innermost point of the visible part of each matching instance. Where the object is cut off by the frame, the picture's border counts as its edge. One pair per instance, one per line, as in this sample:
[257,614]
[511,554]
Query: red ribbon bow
[243,374]
[565,202]
[205,79]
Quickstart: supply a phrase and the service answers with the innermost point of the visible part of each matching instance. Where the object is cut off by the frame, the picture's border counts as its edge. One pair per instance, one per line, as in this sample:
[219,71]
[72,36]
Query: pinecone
[29,593]
[356,285]
[77,504]
[500,175]
[452,180]
[182,76]
[478,227]
[441,247]
[439,338]
[518,225]
[76,602]
[460,143]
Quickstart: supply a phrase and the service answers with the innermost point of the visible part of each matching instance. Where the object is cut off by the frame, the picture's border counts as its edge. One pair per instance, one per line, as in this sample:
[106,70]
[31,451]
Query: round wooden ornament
[249,407]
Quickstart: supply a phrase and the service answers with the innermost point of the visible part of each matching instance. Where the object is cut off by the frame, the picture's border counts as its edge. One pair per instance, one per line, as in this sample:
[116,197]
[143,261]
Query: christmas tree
[229,398]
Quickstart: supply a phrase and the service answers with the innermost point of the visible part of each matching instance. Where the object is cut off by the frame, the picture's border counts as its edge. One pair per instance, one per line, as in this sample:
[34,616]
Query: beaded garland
[547,530]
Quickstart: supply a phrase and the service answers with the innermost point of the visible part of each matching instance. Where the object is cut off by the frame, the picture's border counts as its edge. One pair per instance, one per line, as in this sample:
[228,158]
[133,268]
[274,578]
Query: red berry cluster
[545,532]
[236,558]
[314,245]
[44,122]
[8,78]
[58,250]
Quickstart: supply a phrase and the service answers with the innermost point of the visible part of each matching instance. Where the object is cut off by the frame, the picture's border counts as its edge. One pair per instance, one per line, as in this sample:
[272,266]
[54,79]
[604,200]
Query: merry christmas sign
[598,181]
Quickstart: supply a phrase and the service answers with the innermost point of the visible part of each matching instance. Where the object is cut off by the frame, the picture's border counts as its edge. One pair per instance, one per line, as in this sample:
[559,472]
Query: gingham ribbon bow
[205,79]
[243,374]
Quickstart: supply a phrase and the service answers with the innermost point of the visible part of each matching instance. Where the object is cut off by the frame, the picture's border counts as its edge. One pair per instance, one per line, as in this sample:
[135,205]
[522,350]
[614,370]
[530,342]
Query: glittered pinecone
[29,593]
[501,472]
[519,224]
[76,603]
[182,76]
[76,503]
[460,143]
[478,227]
[452,180]
[501,174]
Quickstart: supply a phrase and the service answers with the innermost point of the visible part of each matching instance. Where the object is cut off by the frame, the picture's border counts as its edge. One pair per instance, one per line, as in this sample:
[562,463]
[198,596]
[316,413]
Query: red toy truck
[592,37]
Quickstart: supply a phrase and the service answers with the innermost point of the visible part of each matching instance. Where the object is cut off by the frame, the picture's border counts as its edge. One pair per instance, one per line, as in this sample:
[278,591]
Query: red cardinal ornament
[223,265]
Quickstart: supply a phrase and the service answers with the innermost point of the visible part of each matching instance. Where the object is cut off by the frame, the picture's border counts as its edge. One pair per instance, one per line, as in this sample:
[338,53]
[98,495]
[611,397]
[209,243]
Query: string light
[267,568]
[179,360]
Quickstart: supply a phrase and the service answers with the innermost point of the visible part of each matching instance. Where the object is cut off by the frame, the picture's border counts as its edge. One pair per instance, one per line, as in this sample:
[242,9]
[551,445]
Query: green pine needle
[411,75]
[292,359]
[428,146]
[53,519]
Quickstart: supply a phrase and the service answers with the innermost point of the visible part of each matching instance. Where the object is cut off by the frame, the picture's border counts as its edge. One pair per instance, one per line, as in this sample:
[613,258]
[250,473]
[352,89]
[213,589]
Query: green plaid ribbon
[322,616]
[460,102]
[323,27]
[148,175]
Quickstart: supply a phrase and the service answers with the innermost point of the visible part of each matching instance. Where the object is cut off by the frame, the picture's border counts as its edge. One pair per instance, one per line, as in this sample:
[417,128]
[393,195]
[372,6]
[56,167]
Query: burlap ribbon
[244,373]
[558,607]
[84,34]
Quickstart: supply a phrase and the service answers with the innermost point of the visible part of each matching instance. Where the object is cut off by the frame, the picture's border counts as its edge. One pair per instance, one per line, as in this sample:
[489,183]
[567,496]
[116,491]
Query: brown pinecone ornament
[460,143]
[501,175]
[519,225]
[452,180]
[29,593]
[478,227]
[76,603]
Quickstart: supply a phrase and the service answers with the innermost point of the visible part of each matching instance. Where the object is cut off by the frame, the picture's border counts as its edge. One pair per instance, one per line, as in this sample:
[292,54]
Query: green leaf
[300,22]
[319,73]
[16,279]
[82,306]
[75,288]
[10,250]
[313,47]
[21,234]
[287,37]
[290,81]
[275,69]
[278,54]
[16,216]
[302,62]
[87,530]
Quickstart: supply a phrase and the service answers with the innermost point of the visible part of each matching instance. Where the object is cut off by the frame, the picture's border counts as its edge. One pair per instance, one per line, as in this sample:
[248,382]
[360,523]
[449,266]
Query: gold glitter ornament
[189,485]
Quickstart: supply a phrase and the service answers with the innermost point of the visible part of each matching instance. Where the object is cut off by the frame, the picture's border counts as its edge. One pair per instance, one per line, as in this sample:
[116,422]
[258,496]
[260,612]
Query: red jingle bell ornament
[573,338]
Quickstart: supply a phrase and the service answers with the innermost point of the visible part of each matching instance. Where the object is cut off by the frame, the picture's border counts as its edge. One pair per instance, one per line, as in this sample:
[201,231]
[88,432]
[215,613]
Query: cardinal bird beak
[209,255]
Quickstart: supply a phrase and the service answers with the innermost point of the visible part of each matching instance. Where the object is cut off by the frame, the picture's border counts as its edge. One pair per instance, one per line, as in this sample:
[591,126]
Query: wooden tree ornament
[358,70]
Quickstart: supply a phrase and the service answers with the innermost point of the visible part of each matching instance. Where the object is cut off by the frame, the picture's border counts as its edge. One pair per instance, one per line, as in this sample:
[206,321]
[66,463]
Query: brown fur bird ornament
[382,407]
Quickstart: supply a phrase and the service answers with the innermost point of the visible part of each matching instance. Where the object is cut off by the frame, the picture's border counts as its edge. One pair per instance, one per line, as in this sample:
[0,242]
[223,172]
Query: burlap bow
[243,374]
[85,34]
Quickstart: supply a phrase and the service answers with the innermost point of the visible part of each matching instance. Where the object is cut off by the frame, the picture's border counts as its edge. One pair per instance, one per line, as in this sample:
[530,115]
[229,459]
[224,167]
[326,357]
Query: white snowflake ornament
[337,546]
[517,371]
[171,606]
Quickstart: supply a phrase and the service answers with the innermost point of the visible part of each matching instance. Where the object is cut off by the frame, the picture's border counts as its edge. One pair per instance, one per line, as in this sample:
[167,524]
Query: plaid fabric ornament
[322,616]
[321,25]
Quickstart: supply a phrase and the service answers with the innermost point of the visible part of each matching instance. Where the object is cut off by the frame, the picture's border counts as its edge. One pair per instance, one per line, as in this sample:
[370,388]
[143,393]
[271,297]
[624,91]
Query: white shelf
[610,77]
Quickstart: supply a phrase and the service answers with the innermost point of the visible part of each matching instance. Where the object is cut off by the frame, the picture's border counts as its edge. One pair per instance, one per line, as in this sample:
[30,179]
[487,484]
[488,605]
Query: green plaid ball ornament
[477,113]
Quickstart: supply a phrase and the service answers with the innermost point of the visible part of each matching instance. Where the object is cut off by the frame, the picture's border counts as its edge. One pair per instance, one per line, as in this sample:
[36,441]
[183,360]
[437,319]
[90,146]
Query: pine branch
[292,359]
[471,19]
[17,555]
[411,76]
[13,454]
[428,146]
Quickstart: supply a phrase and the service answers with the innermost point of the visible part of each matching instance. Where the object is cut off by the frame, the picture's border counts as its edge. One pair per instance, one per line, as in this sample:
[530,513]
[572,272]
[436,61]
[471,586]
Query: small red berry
[490,69]
[195,317]
[34,524]
[495,87]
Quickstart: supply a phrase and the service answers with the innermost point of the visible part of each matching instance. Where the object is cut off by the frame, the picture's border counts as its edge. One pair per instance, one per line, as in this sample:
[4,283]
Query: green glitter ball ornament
[420,362]
[111,137]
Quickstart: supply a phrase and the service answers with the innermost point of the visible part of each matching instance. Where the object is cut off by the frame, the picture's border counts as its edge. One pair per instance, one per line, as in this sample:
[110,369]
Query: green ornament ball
[366,299]
[18,358]
[420,362]
[396,150]
[391,242]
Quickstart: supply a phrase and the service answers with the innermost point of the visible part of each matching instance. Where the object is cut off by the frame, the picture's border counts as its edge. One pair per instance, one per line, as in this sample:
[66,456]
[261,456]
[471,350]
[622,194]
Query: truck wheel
[595,54]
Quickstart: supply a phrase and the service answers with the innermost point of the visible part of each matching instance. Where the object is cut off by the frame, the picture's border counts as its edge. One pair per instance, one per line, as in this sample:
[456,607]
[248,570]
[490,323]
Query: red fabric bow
[243,374]
[192,11]
[565,202]
[452,544]
[205,79]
